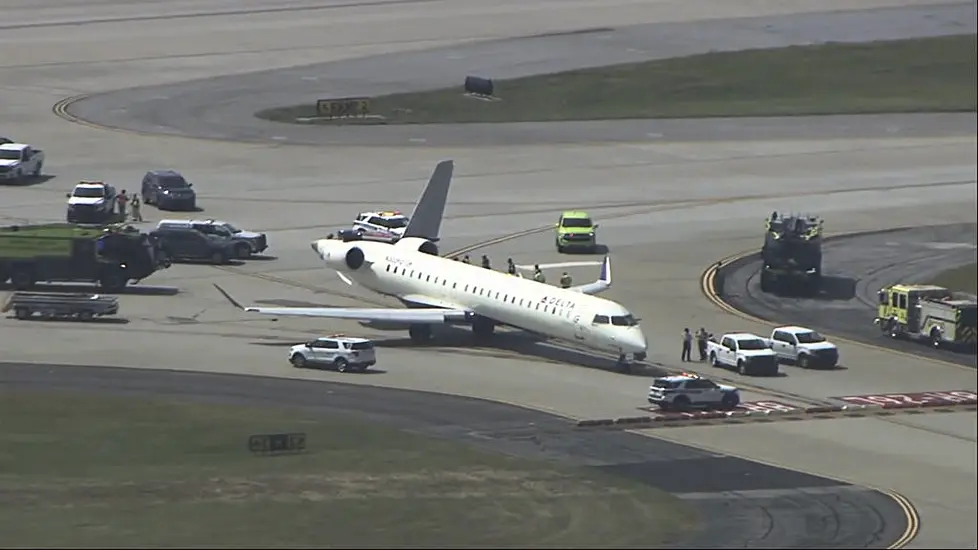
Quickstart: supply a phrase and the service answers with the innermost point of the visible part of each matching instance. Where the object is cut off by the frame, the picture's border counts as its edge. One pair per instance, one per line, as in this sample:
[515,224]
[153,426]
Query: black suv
[168,190]
[191,245]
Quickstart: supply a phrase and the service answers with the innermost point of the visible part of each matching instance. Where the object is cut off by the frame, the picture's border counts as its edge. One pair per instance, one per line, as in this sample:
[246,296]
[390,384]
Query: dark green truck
[110,256]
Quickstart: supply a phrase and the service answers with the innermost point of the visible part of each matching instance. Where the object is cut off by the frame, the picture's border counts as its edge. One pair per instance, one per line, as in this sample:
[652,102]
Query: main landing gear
[483,327]
[420,334]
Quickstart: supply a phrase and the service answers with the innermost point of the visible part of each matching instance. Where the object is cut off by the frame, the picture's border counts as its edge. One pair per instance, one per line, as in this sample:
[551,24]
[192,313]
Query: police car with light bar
[388,225]
[688,390]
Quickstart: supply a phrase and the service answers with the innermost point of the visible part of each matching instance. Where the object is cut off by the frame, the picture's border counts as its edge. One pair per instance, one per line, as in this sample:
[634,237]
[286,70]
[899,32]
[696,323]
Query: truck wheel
[112,282]
[22,313]
[681,403]
[935,337]
[242,250]
[85,315]
[560,249]
[741,367]
[22,279]
[37,171]
[713,360]
[804,361]
[219,258]
[341,364]
[299,361]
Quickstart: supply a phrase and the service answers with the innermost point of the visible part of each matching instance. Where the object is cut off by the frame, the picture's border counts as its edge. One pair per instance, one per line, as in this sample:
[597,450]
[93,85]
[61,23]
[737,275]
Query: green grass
[962,279]
[928,74]
[92,470]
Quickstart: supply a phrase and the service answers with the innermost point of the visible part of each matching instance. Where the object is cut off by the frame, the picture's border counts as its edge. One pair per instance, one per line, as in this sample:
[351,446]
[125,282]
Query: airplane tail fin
[426,218]
[603,283]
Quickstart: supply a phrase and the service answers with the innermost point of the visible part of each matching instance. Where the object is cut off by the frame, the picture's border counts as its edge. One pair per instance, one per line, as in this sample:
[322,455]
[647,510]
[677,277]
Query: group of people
[701,337]
[538,276]
[129,206]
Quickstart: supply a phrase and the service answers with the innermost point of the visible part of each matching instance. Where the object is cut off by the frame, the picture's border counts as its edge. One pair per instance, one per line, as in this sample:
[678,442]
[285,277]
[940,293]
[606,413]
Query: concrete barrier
[822,410]
[633,420]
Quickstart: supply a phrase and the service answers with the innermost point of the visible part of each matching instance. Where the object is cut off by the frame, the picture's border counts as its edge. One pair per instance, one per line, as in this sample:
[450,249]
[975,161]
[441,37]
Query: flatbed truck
[52,305]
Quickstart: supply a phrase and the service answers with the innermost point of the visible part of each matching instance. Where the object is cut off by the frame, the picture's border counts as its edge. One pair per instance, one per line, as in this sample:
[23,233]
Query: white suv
[339,352]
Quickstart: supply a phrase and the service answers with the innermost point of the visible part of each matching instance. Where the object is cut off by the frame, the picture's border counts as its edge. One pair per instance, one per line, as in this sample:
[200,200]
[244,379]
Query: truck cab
[745,352]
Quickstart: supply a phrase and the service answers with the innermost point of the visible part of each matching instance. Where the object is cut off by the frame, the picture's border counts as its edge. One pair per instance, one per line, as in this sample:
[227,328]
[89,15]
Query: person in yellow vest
[565,280]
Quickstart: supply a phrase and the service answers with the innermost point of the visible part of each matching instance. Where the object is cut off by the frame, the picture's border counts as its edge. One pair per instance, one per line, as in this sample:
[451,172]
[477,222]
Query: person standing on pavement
[510,266]
[485,262]
[122,200]
[687,344]
[565,280]
[701,337]
[137,215]
[538,274]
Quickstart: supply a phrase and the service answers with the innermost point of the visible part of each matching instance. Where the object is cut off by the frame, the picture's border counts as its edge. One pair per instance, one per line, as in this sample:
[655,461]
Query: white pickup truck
[748,353]
[803,347]
[19,160]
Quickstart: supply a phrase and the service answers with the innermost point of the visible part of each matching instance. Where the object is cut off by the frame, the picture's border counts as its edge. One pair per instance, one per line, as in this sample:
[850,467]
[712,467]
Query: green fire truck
[110,256]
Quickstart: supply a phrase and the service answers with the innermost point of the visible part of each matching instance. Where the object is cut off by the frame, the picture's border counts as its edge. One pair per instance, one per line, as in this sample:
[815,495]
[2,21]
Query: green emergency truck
[110,256]
[576,230]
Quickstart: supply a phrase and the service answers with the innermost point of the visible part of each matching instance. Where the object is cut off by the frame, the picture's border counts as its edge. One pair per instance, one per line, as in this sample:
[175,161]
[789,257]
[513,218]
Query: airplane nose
[636,341]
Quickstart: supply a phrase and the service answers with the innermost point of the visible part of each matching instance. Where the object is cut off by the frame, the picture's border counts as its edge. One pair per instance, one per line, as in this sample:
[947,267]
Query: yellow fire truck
[927,312]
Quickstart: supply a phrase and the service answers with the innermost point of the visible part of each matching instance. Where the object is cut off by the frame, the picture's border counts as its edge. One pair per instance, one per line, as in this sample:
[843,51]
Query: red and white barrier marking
[919,399]
[763,407]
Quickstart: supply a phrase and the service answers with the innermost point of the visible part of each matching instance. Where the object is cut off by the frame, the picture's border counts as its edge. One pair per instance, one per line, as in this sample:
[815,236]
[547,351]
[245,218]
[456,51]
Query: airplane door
[581,332]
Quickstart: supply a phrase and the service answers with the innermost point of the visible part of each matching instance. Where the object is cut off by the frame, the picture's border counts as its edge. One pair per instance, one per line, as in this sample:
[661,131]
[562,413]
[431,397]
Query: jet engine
[421,245]
[354,258]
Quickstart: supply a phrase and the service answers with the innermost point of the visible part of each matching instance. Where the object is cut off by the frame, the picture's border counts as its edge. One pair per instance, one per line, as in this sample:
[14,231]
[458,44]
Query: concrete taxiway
[668,208]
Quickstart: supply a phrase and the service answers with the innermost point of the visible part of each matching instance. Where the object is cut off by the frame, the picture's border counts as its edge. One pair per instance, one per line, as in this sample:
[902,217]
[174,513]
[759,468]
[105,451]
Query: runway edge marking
[708,288]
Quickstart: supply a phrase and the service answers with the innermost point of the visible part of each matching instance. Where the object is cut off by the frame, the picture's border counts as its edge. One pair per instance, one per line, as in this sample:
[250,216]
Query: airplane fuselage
[424,280]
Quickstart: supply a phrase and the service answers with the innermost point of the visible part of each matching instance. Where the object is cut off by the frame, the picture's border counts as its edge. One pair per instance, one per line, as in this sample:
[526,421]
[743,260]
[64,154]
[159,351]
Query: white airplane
[440,291]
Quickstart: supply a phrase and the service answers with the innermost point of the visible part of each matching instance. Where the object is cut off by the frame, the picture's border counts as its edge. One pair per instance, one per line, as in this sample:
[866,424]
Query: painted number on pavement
[768,406]
[915,398]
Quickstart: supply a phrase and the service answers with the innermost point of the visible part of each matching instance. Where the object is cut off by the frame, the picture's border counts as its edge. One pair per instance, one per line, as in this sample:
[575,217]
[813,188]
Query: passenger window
[412,273]
[428,279]
[466,288]
[388,268]
[882,298]
[454,285]
[331,345]
[497,295]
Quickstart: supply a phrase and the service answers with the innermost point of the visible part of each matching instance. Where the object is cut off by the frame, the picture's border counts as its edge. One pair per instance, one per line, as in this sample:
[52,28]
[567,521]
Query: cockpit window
[623,321]
[600,320]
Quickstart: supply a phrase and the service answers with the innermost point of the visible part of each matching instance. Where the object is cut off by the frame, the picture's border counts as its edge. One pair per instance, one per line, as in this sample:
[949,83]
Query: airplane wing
[603,283]
[409,315]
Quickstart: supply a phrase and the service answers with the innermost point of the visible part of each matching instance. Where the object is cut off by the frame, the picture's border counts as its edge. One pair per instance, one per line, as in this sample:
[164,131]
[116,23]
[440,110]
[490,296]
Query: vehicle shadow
[96,321]
[832,288]
[261,258]
[31,181]
[135,290]
[599,250]
[194,210]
